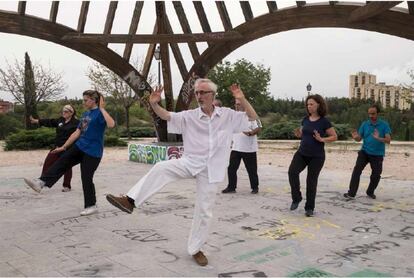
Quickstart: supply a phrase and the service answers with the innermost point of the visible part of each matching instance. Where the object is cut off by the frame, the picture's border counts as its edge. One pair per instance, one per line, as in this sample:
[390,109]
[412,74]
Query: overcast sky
[325,57]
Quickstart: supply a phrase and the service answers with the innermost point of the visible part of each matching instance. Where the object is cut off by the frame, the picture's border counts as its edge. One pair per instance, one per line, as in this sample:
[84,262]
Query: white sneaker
[89,210]
[35,184]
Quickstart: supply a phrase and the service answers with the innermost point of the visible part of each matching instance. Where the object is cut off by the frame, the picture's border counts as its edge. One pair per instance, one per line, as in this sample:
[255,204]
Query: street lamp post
[157,56]
[309,88]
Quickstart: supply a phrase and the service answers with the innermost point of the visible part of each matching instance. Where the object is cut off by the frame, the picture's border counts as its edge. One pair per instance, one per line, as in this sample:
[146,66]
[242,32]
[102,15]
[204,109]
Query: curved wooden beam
[35,27]
[389,22]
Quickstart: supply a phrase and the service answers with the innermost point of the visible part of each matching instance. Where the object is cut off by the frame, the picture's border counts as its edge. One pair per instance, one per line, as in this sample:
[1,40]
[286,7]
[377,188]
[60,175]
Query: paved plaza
[251,235]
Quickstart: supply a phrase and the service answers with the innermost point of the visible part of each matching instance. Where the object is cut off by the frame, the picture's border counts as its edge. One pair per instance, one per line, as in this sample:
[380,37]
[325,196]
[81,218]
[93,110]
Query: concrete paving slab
[251,235]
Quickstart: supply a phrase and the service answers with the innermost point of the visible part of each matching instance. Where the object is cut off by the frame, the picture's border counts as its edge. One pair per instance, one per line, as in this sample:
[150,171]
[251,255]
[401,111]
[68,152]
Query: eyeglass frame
[202,92]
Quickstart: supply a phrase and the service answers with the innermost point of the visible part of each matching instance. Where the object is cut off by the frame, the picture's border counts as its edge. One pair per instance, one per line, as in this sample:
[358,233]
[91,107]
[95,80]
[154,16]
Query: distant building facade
[5,107]
[364,86]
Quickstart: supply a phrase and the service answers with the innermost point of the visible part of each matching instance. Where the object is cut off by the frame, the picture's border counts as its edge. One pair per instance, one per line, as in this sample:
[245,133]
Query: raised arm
[248,108]
[44,122]
[110,123]
[154,100]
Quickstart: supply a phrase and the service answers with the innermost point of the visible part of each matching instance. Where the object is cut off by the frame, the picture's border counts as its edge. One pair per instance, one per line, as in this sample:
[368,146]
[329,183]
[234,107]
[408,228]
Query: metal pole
[159,72]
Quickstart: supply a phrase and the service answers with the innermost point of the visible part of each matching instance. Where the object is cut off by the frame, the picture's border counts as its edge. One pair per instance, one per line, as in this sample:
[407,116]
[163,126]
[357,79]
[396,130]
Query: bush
[31,139]
[342,130]
[114,141]
[139,132]
[8,125]
[282,130]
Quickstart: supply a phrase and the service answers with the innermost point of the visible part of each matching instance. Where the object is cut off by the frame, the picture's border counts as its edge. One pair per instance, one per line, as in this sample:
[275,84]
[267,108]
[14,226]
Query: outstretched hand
[317,136]
[236,91]
[58,150]
[375,134]
[297,132]
[354,134]
[101,101]
[155,96]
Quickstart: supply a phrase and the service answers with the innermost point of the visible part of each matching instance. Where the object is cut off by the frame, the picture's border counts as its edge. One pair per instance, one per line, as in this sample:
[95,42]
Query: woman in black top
[65,126]
[315,131]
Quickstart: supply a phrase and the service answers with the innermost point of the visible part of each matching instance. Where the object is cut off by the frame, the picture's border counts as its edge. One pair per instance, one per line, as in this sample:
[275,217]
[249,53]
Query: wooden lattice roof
[379,16]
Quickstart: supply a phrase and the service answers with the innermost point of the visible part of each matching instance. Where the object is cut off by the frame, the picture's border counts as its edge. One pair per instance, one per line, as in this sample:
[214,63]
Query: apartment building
[364,86]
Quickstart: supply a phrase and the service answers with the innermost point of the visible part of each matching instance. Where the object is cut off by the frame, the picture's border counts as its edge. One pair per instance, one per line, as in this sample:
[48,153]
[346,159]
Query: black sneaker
[372,196]
[294,205]
[348,197]
[228,190]
[309,213]
[255,191]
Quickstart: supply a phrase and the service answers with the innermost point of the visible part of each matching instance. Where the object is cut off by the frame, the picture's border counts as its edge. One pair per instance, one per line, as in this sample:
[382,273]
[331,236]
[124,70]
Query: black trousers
[298,164]
[250,162]
[88,166]
[363,159]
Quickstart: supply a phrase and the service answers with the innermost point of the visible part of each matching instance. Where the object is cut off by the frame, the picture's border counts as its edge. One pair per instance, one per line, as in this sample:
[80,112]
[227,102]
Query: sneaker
[228,190]
[294,205]
[200,258]
[66,189]
[372,196]
[349,197]
[309,213]
[89,210]
[255,191]
[35,184]
[121,202]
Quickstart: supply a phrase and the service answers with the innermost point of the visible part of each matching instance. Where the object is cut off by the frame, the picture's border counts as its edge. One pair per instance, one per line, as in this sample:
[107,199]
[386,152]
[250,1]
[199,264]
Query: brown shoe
[120,202]
[200,258]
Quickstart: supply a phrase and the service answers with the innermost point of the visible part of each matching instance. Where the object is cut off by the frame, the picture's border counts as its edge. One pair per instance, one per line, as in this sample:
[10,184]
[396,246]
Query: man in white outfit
[207,133]
[244,147]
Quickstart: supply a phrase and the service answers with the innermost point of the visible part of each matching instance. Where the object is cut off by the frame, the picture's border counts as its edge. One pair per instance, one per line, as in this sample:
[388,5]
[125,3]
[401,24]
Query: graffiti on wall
[152,154]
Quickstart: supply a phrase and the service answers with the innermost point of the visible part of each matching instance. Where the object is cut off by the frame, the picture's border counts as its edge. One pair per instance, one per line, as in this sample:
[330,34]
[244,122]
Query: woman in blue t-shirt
[84,147]
[316,130]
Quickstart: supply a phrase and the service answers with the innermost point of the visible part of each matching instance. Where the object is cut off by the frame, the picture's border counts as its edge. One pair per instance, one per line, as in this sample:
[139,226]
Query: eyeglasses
[86,99]
[202,93]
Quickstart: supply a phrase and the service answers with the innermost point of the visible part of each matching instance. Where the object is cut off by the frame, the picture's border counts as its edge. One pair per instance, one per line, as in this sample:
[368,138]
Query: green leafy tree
[253,79]
[107,82]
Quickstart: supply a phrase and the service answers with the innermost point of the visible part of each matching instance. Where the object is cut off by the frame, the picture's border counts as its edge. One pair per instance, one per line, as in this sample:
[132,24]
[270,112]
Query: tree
[30,84]
[29,91]
[110,84]
[253,79]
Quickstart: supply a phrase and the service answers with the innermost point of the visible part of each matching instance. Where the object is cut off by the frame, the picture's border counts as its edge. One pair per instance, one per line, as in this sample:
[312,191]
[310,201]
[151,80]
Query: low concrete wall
[152,153]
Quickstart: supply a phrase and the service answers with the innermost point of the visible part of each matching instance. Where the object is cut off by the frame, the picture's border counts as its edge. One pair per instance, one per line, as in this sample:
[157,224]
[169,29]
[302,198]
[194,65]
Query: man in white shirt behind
[244,147]
[207,133]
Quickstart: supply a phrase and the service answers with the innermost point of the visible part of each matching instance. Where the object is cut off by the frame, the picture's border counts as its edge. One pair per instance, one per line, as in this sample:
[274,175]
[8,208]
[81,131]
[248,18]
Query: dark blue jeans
[363,159]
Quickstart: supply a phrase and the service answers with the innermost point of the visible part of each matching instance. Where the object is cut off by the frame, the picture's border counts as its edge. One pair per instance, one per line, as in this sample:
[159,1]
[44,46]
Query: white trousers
[172,170]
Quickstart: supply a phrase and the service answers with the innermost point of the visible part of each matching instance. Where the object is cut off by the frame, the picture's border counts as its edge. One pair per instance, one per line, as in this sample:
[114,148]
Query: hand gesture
[33,120]
[101,101]
[354,134]
[297,132]
[375,134]
[236,91]
[155,96]
[58,150]
[317,136]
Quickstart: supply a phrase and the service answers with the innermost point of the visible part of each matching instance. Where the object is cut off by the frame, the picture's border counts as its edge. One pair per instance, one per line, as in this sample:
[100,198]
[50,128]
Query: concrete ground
[251,235]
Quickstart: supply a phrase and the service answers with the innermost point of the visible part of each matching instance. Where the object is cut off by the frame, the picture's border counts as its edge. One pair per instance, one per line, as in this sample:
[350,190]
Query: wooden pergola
[377,16]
